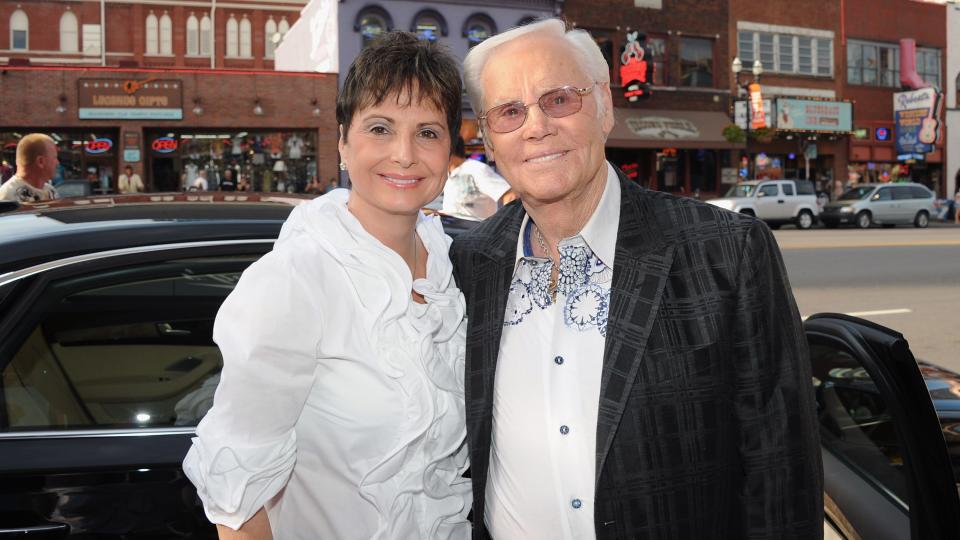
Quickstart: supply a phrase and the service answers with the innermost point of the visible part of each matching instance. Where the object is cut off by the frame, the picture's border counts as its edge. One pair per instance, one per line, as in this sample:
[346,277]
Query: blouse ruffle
[416,487]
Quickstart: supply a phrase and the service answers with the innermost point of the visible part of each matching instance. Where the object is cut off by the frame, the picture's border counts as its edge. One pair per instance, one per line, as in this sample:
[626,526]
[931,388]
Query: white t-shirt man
[473,191]
[130,184]
[18,189]
[200,183]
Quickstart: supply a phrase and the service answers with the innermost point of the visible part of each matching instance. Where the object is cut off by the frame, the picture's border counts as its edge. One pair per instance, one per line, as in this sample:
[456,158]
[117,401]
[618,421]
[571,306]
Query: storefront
[873,158]
[682,152]
[275,130]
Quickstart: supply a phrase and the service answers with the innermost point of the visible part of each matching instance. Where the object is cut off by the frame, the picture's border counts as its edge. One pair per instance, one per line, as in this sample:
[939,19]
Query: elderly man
[636,366]
[36,164]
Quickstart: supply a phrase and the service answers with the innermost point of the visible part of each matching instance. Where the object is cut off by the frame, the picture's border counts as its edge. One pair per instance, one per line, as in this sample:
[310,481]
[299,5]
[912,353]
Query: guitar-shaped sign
[131,87]
[930,127]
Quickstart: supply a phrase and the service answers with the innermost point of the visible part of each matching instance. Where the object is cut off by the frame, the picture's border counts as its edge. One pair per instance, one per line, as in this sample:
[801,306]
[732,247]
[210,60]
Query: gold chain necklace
[552,283]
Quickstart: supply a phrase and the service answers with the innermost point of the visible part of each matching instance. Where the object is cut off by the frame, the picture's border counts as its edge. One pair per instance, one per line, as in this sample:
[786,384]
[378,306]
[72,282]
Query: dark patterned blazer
[707,425]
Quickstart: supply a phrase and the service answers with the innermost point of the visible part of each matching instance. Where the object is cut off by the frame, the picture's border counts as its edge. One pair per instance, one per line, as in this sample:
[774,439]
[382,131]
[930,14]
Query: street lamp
[737,68]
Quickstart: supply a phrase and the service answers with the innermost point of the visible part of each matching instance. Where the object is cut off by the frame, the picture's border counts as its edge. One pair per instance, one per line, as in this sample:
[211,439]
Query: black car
[107,364]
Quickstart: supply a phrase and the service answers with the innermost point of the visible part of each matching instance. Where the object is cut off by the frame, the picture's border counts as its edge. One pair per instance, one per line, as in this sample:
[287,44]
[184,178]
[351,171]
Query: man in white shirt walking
[36,164]
[129,181]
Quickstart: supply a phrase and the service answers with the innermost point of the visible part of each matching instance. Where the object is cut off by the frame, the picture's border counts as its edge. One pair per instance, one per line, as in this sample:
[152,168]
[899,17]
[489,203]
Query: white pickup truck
[775,201]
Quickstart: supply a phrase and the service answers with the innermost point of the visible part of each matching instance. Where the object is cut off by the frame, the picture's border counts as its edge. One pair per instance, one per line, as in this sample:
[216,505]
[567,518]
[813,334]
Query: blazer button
[564,430]
[558,360]
[576,504]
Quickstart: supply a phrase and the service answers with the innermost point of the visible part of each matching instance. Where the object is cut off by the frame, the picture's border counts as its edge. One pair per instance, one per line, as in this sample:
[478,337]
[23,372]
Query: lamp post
[743,88]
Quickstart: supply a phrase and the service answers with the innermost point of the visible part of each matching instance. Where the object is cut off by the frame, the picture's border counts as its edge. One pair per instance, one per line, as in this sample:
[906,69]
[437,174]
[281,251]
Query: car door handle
[166,329]
[780,201]
[47,530]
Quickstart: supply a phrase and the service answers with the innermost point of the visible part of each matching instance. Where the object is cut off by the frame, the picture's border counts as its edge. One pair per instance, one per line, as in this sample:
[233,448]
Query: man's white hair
[585,50]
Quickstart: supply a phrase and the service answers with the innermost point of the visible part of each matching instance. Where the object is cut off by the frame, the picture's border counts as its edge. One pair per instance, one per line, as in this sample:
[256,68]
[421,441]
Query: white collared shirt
[541,480]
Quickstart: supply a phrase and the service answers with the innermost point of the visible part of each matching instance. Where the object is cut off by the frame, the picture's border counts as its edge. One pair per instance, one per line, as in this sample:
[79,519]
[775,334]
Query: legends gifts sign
[915,115]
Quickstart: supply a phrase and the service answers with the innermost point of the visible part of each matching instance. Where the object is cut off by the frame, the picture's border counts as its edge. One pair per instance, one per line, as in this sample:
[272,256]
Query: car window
[740,190]
[805,187]
[126,348]
[920,193]
[856,424]
[787,189]
[857,193]
[882,195]
[769,190]
[902,193]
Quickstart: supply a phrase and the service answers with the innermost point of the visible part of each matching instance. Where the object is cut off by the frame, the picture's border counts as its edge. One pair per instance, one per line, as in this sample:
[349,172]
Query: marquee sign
[146,98]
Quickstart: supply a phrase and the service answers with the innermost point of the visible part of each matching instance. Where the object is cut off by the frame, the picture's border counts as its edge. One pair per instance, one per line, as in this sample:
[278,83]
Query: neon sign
[99,146]
[164,145]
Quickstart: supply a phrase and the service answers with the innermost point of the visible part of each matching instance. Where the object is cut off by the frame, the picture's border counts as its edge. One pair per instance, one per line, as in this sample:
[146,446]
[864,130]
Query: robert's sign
[144,98]
[917,117]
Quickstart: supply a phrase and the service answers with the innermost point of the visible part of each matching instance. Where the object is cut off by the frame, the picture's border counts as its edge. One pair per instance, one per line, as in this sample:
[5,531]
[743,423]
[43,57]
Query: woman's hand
[256,528]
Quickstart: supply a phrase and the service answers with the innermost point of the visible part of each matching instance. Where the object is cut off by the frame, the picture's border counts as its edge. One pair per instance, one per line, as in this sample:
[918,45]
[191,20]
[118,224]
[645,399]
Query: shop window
[166,35]
[696,62]
[193,36]
[19,31]
[270,38]
[477,28]
[246,39]
[429,24]
[69,36]
[153,41]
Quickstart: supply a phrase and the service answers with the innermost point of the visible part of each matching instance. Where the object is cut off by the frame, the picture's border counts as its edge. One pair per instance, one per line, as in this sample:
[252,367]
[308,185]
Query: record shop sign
[659,127]
[143,98]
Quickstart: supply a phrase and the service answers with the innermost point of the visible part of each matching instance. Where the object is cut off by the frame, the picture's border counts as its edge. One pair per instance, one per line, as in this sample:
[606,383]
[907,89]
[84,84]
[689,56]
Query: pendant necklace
[552,284]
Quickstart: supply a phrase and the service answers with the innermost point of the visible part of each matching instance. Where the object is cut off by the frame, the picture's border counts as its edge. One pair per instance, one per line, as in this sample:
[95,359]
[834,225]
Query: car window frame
[885,355]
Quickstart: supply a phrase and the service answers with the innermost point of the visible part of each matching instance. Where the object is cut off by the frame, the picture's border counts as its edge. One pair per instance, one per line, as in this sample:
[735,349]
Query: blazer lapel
[640,269]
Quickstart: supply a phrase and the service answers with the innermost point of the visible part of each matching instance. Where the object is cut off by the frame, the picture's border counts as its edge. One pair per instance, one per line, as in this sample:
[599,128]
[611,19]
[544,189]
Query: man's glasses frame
[544,102]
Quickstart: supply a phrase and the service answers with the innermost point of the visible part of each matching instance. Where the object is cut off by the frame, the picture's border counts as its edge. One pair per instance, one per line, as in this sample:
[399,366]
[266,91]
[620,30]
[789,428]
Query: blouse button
[576,504]
[558,360]
[564,430]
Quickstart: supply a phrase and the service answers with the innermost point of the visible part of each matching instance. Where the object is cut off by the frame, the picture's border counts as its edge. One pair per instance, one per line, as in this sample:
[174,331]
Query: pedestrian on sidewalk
[36,164]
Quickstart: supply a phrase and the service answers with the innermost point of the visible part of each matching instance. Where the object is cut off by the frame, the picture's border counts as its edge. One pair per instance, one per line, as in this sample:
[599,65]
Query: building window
[246,38]
[19,31]
[658,47]
[69,37]
[696,62]
[283,28]
[166,34]
[193,35]
[372,21]
[928,65]
[153,46]
[429,25]
[206,37]
[477,28]
[233,37]
[786,53]
[270,37]
[878,64]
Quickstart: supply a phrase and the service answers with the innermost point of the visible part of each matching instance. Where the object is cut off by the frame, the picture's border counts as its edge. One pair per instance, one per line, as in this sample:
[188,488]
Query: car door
[887,473]
[769,201]
[882,206]
[107,364]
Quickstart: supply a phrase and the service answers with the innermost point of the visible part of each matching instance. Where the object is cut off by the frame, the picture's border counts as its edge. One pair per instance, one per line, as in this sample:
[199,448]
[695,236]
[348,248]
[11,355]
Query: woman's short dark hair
[399,63]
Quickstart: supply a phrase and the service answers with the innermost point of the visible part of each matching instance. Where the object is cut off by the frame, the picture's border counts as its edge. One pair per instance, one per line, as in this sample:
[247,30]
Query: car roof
[35,233]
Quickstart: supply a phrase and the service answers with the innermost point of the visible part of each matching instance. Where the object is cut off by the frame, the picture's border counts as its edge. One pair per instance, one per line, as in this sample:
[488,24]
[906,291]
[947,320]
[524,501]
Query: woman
[340,411]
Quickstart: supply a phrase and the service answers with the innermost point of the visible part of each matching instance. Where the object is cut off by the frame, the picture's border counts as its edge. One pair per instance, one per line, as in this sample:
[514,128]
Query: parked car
[882,204]
[107,364]
[777,202]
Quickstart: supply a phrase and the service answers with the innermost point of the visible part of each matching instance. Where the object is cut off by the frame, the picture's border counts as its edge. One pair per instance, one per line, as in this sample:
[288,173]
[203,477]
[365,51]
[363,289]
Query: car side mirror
[761,193]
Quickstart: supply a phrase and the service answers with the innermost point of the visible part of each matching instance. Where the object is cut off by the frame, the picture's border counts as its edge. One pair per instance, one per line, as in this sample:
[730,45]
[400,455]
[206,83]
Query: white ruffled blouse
[340,406]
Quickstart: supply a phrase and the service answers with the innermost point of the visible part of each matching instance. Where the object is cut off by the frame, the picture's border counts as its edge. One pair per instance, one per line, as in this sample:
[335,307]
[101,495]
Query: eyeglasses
[555,103]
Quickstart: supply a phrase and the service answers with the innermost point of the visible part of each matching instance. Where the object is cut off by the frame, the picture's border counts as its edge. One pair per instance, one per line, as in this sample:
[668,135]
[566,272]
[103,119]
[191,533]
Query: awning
[651,128]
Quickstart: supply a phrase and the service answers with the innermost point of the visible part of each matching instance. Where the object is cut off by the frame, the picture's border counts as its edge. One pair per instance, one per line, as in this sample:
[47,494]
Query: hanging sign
[758,119]
[636,68]
[916,116]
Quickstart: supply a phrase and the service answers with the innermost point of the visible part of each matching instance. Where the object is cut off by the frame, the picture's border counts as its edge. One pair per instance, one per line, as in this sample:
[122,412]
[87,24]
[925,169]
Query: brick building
[170,89]
[671,140]
[797,44]
[870,46]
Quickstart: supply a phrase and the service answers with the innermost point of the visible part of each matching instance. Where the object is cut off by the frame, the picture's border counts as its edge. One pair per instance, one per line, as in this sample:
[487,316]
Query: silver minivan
[884,204]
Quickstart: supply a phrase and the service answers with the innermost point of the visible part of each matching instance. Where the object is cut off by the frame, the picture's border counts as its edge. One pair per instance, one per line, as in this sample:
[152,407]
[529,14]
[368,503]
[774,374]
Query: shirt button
[564,430]
[576,504]
[558,360]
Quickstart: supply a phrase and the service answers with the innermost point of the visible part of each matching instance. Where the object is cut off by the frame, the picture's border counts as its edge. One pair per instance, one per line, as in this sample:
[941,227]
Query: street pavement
[904,278]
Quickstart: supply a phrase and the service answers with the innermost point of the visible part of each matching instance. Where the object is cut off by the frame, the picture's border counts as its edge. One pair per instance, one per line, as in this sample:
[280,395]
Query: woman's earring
[343,166]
